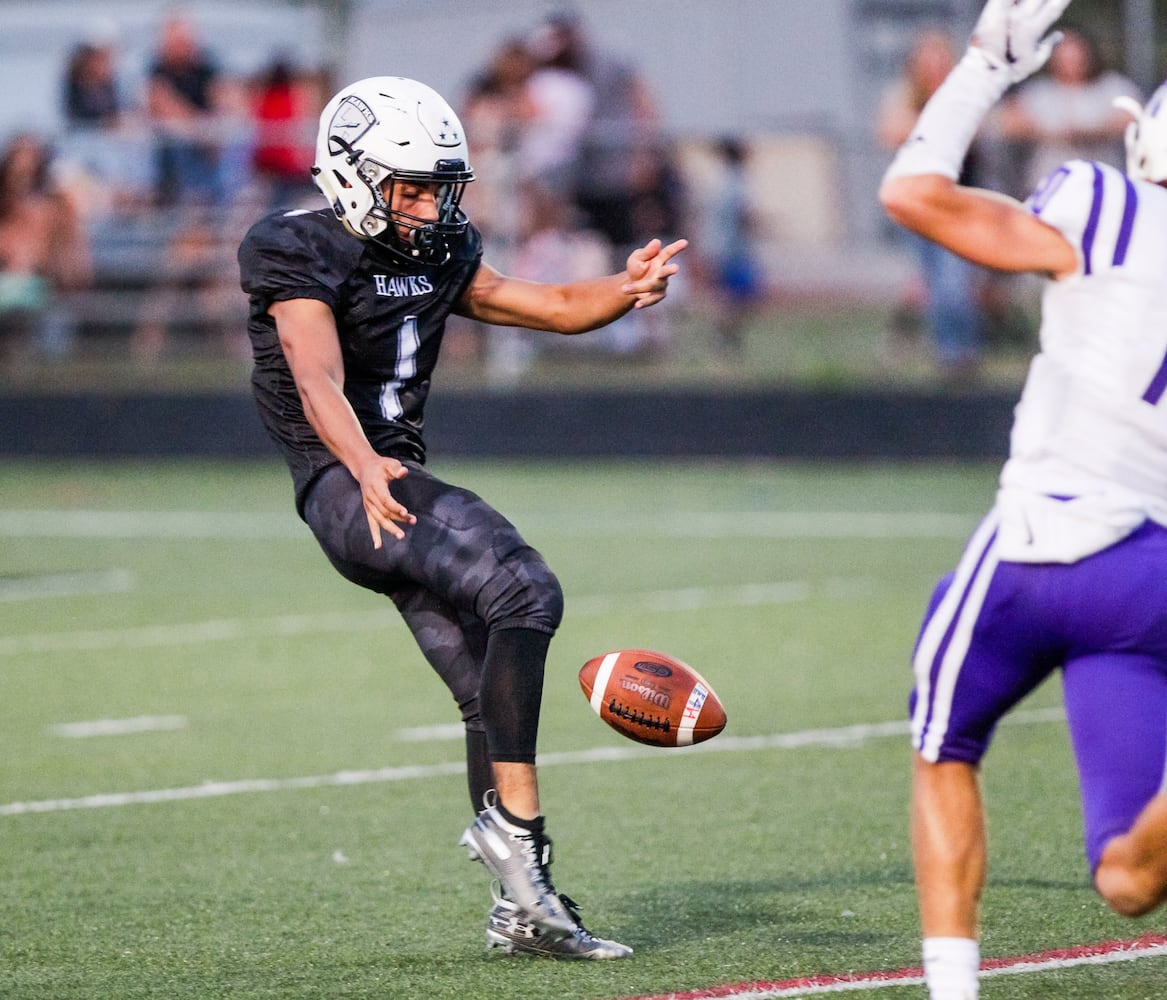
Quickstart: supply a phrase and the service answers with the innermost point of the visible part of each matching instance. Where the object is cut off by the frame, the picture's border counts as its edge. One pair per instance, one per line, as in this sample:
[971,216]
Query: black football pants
[481,603]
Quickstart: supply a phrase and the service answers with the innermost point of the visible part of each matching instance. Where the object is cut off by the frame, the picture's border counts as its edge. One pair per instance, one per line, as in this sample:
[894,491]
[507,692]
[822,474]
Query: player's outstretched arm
[577,306]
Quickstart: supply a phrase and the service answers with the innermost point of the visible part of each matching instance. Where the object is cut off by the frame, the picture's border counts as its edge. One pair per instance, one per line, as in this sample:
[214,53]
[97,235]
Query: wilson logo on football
[645,692]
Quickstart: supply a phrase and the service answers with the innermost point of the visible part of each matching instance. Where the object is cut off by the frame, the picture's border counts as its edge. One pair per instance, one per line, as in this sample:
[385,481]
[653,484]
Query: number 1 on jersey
[408,344]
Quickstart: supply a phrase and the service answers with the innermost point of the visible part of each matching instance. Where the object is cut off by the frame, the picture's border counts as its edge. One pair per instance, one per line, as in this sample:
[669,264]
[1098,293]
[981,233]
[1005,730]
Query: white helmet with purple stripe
[1146,136]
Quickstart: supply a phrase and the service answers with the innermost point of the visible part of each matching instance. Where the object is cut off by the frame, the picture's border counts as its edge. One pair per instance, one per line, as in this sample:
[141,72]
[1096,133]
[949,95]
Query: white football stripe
[423,734]
[218,630]
[602,675]
[177,524]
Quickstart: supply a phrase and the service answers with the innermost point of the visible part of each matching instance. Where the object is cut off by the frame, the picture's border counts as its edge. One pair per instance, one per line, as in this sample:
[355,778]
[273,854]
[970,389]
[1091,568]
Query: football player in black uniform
[347,309]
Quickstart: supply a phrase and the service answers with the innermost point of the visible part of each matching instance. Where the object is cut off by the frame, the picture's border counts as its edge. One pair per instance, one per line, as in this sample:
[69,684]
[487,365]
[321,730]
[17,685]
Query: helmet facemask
[419,240]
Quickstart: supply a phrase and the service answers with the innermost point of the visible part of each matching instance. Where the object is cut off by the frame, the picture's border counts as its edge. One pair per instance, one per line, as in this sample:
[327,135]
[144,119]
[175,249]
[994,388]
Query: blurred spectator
[285,112]
[944,293]
[554,247]
[619,149]
[204,129]
[113,155]
[44,252]
[659,200]
[1067,112]
[562,102]
[562,175]
[495,111]
[730,265]
[183,103]
[496,99]
[107,132]
[622,179]
[91,95]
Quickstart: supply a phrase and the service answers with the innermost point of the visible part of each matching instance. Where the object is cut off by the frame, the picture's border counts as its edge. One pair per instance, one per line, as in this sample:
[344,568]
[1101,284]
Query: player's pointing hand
[649,270]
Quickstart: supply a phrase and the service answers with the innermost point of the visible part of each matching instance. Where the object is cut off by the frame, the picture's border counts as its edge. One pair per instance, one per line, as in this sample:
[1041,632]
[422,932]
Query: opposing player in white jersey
[1069,569]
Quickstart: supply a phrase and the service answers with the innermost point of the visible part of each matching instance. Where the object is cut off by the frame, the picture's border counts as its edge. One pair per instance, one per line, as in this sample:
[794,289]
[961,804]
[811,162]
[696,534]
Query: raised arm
[577,306]
[920,192]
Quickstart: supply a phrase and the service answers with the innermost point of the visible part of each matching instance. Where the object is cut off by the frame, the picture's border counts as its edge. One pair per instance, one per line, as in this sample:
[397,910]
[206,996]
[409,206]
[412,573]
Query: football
[652,698]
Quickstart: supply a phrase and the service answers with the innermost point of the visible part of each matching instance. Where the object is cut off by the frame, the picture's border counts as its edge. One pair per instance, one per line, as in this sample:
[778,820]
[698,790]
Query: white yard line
[149,524]
[841,737]
[227,629]
[34,587]
[432,734]
[119,727]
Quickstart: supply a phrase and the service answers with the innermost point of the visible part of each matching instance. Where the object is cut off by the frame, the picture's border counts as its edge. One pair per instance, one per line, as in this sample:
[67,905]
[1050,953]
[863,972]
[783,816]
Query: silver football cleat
[509,928]
[519,860]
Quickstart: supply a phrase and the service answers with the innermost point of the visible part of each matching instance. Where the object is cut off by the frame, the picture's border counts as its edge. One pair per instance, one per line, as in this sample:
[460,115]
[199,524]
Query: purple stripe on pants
[1103,620]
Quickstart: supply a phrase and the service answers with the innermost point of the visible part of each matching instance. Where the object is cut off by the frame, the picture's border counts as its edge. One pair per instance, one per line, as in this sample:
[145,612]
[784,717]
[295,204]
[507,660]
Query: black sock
[534,825]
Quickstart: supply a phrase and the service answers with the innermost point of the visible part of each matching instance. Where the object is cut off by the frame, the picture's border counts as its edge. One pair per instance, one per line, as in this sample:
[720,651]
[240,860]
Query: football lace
[638,717]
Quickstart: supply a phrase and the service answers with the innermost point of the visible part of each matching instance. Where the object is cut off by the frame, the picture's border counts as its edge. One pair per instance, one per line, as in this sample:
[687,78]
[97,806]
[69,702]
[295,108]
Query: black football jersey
[390,317]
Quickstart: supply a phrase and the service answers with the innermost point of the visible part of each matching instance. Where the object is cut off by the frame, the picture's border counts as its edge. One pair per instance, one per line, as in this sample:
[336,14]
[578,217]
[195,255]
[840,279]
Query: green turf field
[286,825]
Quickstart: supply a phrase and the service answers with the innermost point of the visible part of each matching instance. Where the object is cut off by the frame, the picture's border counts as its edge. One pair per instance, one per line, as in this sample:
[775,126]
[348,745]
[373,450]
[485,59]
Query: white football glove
[1011,35]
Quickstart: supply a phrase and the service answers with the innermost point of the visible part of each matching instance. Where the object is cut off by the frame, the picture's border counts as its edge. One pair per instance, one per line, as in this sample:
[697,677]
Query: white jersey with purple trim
[1088,452]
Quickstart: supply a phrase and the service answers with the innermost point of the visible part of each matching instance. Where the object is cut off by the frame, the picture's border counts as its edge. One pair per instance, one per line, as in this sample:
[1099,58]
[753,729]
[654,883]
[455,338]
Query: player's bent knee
[532,598]
[1129,892]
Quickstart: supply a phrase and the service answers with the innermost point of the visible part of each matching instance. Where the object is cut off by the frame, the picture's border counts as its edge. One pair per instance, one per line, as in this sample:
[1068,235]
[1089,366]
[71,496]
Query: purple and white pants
[994,630]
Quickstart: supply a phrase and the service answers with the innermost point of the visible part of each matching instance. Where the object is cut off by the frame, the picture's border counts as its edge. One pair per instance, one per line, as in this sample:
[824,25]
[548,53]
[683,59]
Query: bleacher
[169,267]
[144,266]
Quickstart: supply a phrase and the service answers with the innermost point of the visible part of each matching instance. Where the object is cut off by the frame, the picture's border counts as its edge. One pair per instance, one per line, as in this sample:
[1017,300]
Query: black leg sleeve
[479,774]
[512,692]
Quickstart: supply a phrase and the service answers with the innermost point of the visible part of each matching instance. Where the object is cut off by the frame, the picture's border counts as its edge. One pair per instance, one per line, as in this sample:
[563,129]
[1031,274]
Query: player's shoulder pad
[289,228]
[1063,189]
[297,249]
[1090,204]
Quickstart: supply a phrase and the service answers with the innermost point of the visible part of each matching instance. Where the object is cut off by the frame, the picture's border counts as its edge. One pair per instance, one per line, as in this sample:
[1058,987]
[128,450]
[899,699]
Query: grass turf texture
[720,865]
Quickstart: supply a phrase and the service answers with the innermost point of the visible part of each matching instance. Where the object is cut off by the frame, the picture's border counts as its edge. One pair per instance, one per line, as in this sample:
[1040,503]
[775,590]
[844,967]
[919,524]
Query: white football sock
[950,968]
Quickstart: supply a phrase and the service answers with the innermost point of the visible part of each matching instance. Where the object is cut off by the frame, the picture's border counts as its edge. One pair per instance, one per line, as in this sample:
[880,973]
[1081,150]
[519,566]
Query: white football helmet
[385,129]
[1146,136]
